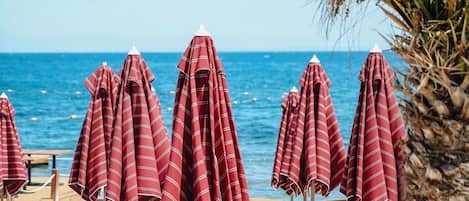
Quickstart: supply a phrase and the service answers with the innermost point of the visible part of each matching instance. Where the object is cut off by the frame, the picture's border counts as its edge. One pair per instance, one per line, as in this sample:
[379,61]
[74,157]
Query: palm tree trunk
[434,41]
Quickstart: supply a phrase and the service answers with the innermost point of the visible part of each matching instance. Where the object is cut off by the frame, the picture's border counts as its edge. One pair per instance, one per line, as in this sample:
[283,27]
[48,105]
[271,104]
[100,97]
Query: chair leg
[54,184]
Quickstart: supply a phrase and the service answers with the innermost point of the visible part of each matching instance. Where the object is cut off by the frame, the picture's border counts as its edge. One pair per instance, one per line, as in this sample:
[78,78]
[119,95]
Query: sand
[65,193]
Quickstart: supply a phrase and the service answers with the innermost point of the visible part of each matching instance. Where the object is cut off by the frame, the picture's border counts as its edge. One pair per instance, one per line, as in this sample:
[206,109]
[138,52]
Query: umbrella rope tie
[41,187]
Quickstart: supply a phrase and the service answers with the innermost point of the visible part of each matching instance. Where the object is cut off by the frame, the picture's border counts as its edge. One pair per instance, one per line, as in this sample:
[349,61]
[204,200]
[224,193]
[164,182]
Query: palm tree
[433,41]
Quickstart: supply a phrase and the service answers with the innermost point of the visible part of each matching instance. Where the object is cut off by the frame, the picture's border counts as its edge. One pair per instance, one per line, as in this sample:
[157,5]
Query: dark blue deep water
[261,75]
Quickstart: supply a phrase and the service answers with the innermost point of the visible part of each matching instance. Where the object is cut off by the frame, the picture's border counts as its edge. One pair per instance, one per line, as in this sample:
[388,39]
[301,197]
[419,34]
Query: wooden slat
[46,152]
[36,160]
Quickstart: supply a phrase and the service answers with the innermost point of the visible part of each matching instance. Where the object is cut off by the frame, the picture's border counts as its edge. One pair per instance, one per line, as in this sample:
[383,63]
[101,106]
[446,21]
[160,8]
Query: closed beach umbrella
[323,157]
[375,156]
[205,162]
[12,166]
[285,146]
[89,168]
[139,142]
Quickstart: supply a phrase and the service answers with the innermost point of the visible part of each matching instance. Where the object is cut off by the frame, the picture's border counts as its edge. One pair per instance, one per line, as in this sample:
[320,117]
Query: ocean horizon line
[180,52]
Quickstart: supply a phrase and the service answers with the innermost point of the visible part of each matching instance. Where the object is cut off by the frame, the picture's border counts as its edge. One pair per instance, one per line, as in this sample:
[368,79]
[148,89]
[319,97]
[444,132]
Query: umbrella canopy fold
[12,165]
[375,154]
[285,146]
[205,162]
[323,154]
[89,168]
[139,142]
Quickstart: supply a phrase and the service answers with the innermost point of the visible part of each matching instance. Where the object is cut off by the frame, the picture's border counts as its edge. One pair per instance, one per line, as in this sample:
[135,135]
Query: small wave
[72,116]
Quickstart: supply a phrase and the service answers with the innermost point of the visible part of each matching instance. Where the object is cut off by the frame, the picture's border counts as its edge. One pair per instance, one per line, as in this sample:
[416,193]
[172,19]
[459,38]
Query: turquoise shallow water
[263,75]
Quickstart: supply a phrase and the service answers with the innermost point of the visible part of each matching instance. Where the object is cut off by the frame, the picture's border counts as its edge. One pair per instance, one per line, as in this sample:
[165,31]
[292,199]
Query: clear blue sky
[152,25]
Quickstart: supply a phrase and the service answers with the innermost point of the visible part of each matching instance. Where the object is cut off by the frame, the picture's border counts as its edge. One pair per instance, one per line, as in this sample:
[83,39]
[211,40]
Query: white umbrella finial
[293,89]
[375,49]
[202,31]
[3,95]
[134,51]
[314,59]
[104,63]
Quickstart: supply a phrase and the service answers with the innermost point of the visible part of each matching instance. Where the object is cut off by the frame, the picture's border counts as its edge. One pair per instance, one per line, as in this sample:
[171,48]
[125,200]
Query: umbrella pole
[313,190]
[5,195]
[305,194]
[291,197]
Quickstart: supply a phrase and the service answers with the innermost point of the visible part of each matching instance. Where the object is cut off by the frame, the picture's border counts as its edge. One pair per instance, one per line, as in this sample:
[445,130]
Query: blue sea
[49,88]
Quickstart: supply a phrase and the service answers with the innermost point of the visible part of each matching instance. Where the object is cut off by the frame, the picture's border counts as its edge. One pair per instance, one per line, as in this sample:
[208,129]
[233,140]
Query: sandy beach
[67,194]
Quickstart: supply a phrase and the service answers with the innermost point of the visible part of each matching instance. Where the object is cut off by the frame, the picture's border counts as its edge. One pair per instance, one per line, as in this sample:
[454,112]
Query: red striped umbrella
[89,167]
[12,166]
[323,150]
[140,146]
[205,162]
[375,157]
[285,146]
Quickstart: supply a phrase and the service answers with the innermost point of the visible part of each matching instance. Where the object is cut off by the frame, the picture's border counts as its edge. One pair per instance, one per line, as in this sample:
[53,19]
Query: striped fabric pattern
[205,162]
[375,157]
[285,145]
[139,142]
[12,165]
[89,168]
[323,156]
